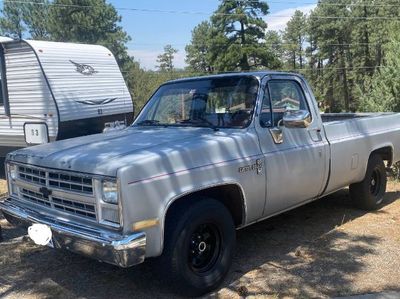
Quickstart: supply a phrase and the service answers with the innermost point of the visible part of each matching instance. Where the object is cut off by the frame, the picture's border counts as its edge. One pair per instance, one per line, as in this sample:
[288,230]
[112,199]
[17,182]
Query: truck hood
[104,154]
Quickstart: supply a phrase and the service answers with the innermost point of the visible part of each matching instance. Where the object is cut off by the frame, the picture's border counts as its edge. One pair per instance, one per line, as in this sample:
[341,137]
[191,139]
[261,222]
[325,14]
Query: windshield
[225,102]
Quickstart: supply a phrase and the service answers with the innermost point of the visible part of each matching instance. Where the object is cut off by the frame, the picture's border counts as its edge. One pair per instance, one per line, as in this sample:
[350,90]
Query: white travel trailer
[52,91]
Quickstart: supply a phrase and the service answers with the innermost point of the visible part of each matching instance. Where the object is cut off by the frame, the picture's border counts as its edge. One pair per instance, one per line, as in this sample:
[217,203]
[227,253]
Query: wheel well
[386,153]
[229,195]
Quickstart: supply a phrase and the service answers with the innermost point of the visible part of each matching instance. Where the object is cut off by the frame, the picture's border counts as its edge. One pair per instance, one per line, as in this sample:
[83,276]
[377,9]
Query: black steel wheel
[369,193]
[199,244]
[204,248]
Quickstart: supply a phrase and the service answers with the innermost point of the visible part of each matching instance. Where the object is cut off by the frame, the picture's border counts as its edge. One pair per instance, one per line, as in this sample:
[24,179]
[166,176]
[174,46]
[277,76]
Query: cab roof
[257,74]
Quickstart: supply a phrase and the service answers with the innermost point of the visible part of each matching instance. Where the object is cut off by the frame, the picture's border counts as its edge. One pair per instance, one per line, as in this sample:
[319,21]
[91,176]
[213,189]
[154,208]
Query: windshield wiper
[200,120]
[148,122]
[210,124]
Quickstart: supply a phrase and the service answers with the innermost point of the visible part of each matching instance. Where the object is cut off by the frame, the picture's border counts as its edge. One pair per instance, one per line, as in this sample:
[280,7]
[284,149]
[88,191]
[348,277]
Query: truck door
[296,158]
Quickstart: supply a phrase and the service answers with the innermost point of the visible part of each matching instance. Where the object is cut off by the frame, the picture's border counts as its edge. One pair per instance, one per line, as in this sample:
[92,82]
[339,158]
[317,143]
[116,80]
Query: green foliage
[234,39]
[12,22]
[35,18]
[274,44]
[347,53]
[294,37]
[144,83]
[89,21]
[166,59]
[82,21]
[381,92]
[239,34]
[198,55]
[346,48]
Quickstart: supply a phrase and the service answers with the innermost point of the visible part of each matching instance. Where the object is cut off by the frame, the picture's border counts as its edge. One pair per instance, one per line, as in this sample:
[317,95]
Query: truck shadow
[297,253]
[303,252]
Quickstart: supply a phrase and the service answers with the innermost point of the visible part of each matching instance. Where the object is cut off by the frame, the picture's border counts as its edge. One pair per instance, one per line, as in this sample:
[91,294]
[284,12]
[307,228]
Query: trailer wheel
[369,193]
[199,246]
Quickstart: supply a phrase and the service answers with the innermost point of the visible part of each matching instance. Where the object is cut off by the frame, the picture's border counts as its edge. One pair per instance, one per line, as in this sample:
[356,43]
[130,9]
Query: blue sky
[151,31]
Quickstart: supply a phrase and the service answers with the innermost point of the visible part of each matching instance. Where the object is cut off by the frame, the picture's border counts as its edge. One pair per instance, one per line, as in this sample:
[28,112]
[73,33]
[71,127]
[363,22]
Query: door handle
[277,135]
[315,134]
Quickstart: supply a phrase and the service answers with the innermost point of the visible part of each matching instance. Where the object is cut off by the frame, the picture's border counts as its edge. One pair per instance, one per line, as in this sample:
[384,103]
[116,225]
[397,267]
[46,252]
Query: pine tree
[243,31]
[294,37]
[89,21]
[333,35]
[198,55]
[381,92]
[166,59]
[12,20]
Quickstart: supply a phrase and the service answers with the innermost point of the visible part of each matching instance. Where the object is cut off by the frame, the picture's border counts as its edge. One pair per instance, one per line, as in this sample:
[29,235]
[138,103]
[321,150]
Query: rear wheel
[369,193]
[199,246]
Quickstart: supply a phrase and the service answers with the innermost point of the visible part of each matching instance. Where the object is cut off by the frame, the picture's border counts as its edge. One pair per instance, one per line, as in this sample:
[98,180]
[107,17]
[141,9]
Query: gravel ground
[321,250]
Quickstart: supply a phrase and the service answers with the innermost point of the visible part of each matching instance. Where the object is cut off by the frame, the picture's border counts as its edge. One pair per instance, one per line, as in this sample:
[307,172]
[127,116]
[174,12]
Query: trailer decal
[84,69]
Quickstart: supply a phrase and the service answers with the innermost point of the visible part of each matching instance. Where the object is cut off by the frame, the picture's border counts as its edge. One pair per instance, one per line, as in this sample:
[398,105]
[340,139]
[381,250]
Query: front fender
[149,199]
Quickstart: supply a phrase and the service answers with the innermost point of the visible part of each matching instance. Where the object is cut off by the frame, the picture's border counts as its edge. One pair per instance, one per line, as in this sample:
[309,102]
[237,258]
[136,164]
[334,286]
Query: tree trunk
[300,52]
[367,58]
[294,60]
[244,62]
[344,78]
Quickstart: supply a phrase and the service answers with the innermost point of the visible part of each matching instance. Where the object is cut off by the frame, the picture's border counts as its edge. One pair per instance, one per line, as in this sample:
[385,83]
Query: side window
[285,95]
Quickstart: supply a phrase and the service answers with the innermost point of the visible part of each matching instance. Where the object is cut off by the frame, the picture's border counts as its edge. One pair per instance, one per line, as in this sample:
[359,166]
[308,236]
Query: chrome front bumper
[122,251]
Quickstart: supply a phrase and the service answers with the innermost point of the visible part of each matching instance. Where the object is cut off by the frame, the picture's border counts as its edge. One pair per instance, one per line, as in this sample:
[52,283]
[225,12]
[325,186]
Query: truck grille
[71,183]
[67,184]
[35,197]
[59,181]
[32,175]
[76,208]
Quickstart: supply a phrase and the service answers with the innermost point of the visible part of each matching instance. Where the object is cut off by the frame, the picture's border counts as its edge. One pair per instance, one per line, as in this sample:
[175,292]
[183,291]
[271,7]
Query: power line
[189,12]
[269,44]
[319,3]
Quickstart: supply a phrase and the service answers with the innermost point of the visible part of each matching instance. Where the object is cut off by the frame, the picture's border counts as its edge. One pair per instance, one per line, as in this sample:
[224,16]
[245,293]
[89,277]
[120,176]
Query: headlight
[12,171]
[110,192]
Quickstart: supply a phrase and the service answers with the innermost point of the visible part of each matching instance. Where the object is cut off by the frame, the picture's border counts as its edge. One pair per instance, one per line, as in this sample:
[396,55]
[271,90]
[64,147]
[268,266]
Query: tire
[369,193]
[199,244]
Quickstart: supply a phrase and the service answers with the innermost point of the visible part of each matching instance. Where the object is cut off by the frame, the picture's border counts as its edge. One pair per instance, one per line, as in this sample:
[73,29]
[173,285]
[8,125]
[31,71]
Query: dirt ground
[324,249]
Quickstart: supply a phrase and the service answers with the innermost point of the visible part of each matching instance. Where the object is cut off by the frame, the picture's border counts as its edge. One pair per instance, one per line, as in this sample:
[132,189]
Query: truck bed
[353,137]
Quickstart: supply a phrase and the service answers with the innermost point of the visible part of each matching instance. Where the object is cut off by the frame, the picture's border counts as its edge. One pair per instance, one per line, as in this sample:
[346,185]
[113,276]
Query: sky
[151,30]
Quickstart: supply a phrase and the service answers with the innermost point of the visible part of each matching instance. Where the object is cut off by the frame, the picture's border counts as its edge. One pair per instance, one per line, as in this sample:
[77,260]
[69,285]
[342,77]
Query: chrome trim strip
[60,171]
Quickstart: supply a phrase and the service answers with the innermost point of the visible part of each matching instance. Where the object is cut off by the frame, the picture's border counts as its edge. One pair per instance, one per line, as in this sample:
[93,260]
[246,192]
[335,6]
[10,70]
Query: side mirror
[296,119]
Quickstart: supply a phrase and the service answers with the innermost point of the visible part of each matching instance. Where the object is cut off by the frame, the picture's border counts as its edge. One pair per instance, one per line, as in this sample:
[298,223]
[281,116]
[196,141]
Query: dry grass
[322,250]
[3,187]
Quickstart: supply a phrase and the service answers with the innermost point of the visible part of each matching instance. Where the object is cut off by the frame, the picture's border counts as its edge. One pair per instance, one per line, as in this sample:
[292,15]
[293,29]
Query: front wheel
[369,193]
[199,246]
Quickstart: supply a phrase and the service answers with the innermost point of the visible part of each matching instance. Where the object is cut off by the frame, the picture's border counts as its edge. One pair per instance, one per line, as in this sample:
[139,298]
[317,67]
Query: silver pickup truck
[204,157]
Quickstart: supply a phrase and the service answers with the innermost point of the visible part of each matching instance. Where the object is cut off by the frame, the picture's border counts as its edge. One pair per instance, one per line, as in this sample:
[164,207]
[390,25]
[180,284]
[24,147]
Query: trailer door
[4,90]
